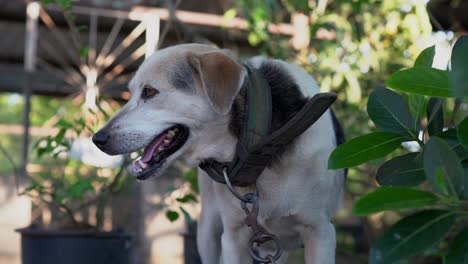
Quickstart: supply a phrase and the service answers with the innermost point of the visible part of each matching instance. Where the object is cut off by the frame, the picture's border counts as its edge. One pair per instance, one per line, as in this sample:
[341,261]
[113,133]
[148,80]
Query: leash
[260,235]
[256,148]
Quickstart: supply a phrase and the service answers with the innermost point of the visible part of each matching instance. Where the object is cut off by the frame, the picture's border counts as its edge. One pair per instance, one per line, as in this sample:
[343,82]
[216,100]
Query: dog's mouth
[161,148]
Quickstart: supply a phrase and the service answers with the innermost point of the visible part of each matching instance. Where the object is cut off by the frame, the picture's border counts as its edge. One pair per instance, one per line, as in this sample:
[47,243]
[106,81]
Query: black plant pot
[39,246]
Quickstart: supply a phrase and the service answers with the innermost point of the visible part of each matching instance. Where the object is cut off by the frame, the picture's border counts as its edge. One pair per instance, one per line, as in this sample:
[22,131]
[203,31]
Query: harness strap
[257,146]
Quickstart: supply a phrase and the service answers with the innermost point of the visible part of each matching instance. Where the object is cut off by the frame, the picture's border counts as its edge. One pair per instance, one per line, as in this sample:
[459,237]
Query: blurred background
[64,67]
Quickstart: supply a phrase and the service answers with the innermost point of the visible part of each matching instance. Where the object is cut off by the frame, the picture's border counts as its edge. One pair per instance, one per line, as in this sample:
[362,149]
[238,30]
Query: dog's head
[181,99]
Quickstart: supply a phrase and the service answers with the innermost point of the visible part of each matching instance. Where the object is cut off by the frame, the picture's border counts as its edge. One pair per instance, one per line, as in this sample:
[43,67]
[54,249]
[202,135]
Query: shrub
[433,180]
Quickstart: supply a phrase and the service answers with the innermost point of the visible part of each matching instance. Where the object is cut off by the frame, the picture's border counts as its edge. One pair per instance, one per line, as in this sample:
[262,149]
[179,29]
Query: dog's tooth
[166,141]
[143,164]
[171,133]
[161,148]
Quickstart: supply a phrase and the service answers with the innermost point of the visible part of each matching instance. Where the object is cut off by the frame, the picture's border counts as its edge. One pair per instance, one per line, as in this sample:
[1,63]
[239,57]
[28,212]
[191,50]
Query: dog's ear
[220,78]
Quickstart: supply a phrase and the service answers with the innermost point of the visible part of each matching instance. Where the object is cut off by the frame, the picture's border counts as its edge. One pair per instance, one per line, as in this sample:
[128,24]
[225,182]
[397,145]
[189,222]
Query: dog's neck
[286,96]
[213,140]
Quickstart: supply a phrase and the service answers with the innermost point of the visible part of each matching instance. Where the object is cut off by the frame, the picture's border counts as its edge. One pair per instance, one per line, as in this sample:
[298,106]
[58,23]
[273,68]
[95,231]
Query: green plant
[69,186]
[190,196]
[354,44]
[433,180]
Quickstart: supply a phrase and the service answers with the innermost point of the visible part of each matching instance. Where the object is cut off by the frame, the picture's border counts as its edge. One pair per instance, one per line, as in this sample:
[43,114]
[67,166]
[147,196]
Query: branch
[59,206]
[109,189]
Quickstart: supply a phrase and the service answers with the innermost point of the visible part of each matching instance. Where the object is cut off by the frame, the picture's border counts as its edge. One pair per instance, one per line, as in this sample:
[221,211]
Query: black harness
[257,144]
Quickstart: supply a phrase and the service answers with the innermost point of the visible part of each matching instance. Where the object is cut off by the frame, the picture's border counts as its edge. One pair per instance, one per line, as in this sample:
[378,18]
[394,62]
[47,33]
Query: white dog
[187,103]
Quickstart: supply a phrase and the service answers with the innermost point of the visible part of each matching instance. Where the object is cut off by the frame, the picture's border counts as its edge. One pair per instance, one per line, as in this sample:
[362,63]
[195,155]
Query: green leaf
[82,28]
[420,80]
[450,137]
[187,198]
[462,132]
[459,63]
[364,148]
[230,14]
[425,58]
[41,151]
[435,116]
[438,155]
[464,195]
[58,197]
[172,215]
[64,124]
[440,181]
[60,135]
[84,52]
[78,189]
[191,177]
[390,112]
[417,104]
[393,198]
[458,250]
[406,170]
[411,236]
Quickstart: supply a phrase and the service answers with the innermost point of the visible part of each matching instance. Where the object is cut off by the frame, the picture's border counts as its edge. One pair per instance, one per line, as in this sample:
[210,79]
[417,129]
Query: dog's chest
[287,197]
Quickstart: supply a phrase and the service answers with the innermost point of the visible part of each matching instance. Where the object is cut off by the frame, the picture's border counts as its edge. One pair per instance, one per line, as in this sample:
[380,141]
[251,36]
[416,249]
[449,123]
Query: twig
[106,189]
[60,206]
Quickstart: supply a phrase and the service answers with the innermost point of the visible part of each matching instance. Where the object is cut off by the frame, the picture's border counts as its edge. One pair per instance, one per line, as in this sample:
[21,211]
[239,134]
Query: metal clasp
[260,235]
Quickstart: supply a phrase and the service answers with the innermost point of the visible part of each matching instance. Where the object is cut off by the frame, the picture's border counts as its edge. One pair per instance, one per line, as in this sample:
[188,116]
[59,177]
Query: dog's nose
[100,138]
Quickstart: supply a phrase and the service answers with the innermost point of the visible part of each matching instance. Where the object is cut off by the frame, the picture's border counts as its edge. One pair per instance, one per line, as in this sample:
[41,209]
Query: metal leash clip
[260,235]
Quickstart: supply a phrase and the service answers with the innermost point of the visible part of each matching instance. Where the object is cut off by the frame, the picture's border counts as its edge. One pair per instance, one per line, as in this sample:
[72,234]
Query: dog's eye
[148,92]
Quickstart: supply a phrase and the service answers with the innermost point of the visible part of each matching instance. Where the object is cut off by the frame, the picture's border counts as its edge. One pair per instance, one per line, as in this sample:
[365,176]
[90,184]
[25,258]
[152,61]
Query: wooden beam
[13,79]
[137,13]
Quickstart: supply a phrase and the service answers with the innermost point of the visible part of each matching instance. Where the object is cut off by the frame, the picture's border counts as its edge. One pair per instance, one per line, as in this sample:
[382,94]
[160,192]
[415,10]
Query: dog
[188,103]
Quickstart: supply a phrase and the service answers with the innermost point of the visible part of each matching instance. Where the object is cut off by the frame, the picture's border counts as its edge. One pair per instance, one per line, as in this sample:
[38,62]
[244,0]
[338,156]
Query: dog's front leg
[210,226]
[209,232]
[235,245]
[319,243]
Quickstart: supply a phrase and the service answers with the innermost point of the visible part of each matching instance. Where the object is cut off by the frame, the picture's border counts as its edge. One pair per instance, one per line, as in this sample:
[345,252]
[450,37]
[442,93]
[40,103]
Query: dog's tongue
[151,148]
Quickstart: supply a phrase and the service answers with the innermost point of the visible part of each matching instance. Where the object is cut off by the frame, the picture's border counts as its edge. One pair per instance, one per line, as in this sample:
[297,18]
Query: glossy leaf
[393,198]
[417,104]
[390,112]
[462,132]
[441,161]
[440,181]
[435,116]
[458,250]
[411,235]
[405,170]
[364,148]
[450,137]
[426,57]
[420,80]
[459,63]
